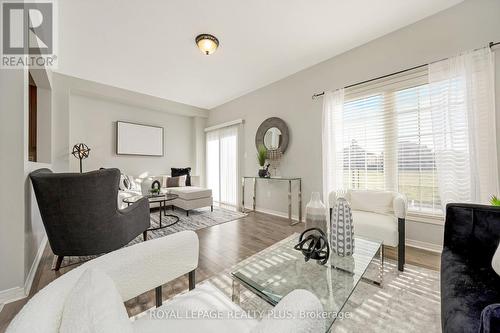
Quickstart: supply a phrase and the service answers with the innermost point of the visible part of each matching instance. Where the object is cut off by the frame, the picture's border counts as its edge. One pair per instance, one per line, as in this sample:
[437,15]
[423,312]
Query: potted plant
[494,201]
[261,157]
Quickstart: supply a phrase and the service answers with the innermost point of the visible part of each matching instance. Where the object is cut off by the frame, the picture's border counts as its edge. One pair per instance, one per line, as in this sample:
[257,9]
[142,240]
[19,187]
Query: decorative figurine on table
[155,188]
[313,244]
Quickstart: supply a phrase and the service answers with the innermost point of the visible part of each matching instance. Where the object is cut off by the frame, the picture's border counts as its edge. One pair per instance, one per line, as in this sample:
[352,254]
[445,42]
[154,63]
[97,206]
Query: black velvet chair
[80,212]
[468,282]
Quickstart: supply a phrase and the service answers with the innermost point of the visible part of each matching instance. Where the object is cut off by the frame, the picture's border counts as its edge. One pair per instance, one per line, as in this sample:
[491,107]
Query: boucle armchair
[379,215]
[145,266]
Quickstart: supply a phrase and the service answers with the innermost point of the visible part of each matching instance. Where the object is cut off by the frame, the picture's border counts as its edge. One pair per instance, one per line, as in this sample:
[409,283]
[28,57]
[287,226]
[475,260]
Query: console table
[281,179]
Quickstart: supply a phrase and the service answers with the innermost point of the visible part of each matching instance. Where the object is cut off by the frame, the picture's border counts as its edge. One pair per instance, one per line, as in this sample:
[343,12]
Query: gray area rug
[197,219]
[408,301]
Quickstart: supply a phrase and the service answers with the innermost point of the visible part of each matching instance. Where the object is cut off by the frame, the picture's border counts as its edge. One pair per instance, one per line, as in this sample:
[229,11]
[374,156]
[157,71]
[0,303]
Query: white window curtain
[212,160]
[463,118]
[222,164]
[333,110]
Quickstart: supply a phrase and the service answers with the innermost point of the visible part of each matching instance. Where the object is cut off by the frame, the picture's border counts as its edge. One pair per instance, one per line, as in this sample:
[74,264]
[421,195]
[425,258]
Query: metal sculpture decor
[155,188]
[313,244]
[80,151]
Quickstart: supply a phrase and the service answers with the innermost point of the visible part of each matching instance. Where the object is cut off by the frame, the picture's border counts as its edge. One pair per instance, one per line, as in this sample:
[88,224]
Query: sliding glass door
[222,164]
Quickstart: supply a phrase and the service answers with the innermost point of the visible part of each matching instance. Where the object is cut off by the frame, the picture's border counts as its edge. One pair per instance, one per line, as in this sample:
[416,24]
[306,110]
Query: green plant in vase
[261,157]
[494,201]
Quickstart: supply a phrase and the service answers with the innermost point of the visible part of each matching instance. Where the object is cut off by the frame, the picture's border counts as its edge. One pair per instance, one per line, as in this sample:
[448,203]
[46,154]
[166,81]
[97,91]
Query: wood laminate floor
[221,247]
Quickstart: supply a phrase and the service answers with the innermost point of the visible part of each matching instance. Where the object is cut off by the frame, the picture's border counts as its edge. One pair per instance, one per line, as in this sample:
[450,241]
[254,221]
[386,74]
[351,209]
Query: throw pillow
[176,172]
[372,201]
[94,305]
[495,263]
[180,181]
[134,185]
[124,183]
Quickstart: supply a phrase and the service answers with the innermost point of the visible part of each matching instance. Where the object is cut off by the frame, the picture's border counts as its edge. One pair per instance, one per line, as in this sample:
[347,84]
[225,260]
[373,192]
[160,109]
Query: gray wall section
[13,88]
[469,25]
[21,228]
[93,122]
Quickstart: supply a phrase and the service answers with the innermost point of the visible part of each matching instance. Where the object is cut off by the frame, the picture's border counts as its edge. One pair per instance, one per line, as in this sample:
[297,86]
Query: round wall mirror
[272,138]
[273,134]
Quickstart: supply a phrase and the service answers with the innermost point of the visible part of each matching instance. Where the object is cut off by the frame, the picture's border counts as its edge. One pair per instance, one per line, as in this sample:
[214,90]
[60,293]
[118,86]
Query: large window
[387,140]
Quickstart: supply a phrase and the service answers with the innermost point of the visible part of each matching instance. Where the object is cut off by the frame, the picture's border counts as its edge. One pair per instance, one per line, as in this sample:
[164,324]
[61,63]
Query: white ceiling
[148,46]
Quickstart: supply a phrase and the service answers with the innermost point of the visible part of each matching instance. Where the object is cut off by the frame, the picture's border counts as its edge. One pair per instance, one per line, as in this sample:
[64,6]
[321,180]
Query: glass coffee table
[274,272]
[162,200]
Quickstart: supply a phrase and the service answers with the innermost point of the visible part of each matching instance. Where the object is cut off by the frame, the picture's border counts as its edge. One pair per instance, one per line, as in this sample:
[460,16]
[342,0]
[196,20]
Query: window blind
[386,139]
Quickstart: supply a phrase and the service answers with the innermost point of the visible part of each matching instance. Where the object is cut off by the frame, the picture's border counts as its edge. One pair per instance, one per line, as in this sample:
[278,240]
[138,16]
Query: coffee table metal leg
[236,292]
[160,213]
[380,280]
[381,266]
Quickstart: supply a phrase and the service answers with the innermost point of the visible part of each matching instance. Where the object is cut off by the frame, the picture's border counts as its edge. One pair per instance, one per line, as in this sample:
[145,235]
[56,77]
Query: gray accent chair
[80,213]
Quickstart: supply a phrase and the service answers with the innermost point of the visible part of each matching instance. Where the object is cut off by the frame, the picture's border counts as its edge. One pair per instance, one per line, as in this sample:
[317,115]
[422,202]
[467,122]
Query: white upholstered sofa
[379,215]
[190,197]
[68,305]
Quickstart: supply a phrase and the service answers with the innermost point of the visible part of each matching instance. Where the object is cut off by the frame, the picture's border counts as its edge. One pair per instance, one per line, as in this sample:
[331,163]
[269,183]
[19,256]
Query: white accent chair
[145,266]
[379,215]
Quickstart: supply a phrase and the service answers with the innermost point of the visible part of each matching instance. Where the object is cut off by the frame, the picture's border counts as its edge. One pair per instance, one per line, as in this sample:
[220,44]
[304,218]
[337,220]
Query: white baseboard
[17,293]
[276,213]
[11,295]
[424,245]
[34,266]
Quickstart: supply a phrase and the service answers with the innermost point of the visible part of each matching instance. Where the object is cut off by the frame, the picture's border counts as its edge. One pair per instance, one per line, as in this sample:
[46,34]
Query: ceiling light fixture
[207,43]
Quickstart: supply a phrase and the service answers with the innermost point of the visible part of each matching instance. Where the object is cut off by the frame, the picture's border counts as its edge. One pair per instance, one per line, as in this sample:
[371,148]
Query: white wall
[199,157]
[93,122]
[21,230]
[34,232]
[469,25]
[13,94]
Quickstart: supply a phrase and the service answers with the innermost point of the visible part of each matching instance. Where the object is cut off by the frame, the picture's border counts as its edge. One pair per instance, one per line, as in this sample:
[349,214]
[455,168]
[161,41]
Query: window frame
[388,87]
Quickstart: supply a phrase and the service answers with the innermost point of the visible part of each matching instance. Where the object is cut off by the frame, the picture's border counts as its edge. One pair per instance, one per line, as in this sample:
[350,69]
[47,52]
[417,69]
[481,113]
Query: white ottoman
[192,197]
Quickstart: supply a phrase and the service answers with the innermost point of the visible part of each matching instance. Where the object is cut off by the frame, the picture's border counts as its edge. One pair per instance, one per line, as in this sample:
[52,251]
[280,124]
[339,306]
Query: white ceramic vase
[342,231]
[316,213]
